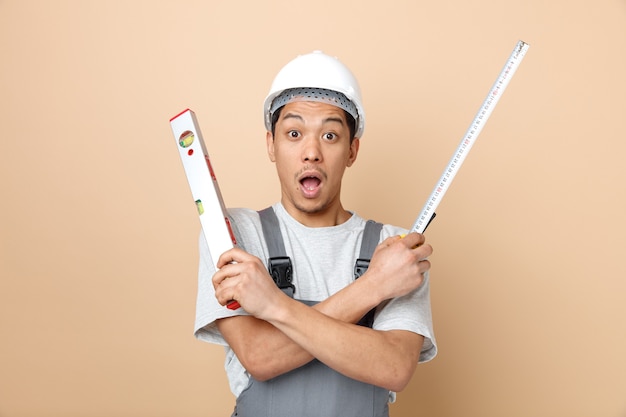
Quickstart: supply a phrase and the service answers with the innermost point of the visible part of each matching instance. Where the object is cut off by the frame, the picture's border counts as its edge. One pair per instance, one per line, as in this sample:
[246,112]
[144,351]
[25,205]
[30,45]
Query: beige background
[98,231]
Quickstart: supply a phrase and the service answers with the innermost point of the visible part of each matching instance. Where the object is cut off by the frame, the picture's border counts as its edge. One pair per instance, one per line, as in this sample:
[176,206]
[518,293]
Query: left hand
[398,265]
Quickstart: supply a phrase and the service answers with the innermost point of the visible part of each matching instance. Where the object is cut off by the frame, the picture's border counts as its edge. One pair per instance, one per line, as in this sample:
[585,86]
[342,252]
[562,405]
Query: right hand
[244,278]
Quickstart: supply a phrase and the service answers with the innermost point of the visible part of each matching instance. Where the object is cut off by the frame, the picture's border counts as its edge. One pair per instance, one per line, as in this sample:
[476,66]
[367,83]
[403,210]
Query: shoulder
[391,230]
[242,214]
[387,230]
[246,226]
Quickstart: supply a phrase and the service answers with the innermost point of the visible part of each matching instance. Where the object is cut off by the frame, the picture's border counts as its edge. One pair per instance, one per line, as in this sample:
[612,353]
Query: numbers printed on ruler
[428,212]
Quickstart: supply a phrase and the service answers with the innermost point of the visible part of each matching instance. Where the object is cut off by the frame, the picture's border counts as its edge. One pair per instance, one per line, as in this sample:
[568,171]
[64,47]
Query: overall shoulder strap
[271,231]
[371,237]
[278,264]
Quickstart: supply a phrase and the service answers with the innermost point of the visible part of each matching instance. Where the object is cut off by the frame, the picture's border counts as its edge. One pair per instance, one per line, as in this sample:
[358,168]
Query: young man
[299,351]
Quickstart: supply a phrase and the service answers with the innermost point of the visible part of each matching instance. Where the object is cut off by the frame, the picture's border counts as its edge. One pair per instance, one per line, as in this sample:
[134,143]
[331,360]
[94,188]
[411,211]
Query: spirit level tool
[428,212]
[205,190]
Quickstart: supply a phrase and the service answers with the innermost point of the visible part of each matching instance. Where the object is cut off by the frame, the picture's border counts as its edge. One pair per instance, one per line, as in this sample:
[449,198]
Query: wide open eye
[329,136]
[294,134]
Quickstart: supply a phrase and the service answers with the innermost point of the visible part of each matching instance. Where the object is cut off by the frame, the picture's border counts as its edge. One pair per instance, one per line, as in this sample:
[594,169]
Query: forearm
[266,352]
[386,359]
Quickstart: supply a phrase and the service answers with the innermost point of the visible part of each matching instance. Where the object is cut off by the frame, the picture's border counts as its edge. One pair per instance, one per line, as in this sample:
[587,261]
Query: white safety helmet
[316,77]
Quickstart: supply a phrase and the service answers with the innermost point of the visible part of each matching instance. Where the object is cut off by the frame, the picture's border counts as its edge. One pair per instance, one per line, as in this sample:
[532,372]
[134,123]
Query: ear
[269,139]
[354,150]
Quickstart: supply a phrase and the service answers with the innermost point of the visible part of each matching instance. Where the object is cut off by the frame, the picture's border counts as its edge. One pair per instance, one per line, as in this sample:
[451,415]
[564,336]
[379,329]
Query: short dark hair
[351,122]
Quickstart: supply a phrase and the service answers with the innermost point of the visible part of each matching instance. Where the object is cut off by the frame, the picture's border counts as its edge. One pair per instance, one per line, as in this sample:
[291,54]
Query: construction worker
[298,345]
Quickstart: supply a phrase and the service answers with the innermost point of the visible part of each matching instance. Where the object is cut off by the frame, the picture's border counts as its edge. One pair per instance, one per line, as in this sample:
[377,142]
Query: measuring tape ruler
[205,190]
[428,212]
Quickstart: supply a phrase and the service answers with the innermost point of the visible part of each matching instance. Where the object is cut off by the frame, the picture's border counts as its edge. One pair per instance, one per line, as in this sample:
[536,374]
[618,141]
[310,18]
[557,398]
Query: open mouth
[310,183]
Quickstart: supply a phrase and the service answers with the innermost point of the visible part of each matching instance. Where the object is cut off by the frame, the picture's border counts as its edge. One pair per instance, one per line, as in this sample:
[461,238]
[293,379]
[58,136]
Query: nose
[311,151]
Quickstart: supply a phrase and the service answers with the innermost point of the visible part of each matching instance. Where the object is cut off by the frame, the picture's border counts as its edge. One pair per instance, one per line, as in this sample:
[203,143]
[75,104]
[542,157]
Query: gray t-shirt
[323,263]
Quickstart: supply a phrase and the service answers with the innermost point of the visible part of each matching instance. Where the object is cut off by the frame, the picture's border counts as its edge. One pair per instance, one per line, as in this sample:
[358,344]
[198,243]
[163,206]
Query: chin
[311,206]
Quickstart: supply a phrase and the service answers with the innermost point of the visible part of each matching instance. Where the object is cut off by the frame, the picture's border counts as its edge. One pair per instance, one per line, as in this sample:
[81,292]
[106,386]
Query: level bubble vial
[200,207]
[186,139]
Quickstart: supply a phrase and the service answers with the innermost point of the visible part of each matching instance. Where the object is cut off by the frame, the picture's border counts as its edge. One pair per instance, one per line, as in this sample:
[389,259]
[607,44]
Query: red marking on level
[230,230]
[233,305]
[184,111]
[210,168]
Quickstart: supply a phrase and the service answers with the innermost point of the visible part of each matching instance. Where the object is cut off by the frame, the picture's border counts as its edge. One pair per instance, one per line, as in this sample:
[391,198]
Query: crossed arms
[282,334]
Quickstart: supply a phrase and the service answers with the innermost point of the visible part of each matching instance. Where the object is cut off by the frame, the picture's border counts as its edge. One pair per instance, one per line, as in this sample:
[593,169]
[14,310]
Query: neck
[317,217]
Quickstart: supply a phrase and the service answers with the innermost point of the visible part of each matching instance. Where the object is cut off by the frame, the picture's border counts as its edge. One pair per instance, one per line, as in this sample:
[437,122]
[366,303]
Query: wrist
[277,309]
[368,292]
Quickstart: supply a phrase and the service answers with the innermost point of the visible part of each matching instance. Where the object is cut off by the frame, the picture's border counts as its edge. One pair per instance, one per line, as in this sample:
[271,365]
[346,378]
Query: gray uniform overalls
[314,389]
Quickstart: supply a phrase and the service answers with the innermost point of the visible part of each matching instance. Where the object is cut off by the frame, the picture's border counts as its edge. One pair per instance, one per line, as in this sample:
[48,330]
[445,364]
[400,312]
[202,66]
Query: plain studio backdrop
[99,234]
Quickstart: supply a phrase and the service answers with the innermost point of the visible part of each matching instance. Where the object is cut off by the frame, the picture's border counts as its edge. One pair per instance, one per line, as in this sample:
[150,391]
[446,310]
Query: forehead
[312,111]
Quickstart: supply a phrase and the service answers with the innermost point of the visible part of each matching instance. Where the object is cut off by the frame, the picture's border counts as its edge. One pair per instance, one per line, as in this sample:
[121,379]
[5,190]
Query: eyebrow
[292,116]
[334,119]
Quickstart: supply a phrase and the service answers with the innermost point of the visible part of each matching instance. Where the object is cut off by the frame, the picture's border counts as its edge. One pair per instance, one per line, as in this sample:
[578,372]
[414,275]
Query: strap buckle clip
[360,266]
[281,271]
